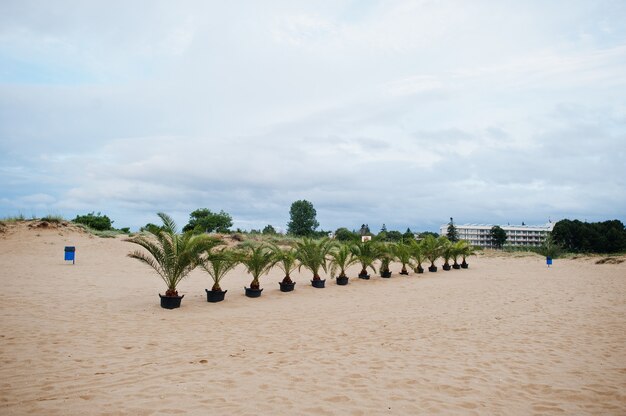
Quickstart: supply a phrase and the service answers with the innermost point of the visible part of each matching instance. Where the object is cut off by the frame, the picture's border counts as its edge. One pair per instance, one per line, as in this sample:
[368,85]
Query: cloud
[401,112]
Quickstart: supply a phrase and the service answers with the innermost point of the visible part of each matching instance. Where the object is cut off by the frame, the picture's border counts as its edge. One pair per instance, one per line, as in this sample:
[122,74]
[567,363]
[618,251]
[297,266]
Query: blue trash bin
[549,261]
[70,254]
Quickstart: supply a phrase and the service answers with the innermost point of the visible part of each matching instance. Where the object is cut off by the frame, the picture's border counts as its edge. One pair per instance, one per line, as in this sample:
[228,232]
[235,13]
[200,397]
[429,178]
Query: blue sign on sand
[70,254]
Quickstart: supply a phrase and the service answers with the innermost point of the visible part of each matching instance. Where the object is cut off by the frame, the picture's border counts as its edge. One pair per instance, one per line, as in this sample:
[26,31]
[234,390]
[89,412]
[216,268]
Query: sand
[507,336]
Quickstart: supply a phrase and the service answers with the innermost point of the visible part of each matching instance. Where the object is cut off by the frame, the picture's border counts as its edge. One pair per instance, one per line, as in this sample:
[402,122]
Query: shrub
[53,218]
[96,221]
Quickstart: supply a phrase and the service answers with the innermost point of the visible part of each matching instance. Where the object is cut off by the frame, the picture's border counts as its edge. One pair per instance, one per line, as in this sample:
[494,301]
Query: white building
[516,235]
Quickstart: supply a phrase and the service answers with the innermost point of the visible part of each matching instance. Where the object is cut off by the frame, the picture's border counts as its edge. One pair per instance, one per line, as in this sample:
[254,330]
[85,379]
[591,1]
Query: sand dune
[507,336]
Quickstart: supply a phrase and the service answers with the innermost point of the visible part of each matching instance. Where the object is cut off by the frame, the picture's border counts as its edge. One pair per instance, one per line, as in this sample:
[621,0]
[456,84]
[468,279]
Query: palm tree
[366,253]
[402,252]
[173,256]
[469,250]
[340,259]
[312,255]
[457,251]
[287,260]
[446,252]
[386,256]
[217,264]
[259,260]
[432,250]
[417,253]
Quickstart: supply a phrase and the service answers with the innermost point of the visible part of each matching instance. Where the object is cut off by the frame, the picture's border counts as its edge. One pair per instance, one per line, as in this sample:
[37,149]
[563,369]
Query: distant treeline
[590,237]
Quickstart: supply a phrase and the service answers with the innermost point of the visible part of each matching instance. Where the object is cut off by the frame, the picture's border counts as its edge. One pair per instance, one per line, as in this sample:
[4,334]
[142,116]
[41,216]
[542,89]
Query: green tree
[408,235]
[343,234]
[312,255]
[151,228]
[366,252]
[258,260]
[497,236]
[173,256]
[403,254]
[340,259]
[203,220]
[269,230]
[432,249]
[287,260]
[453,233]
[217,264]
[303,221]
[595,237]
[394,236]
[96,221]
[425,234]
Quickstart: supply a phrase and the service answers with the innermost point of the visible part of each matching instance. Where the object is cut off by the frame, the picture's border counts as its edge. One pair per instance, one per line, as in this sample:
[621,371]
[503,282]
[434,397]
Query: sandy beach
[507,336]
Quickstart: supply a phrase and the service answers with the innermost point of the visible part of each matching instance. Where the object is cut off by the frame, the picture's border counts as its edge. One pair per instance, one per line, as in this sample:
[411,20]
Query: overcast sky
[397,112]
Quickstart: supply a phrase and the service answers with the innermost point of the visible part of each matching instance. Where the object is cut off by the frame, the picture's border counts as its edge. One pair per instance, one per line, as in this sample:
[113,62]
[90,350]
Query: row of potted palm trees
[173,256]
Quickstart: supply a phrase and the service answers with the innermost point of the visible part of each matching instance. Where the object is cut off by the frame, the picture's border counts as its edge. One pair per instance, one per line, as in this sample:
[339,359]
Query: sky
[403,113]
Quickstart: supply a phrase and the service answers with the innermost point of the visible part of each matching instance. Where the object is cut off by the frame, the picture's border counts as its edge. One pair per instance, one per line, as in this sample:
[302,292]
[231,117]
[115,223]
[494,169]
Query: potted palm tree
[457,251]
[217,264]
[417,253]
[447,252]
[366,253]
[287,260]
[403,253]
[258,260]
[340,259]
[172,255]
[386,256]
[432,251]
[312,255]
[469,250]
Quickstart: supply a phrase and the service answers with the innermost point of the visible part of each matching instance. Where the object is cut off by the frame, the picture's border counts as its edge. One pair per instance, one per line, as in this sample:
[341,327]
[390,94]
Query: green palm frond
[458,249]
[286,259]
[468,251]
[432,247]
[312,254]
[173,256]
[258,260]
[366,252]
[417,253]
[340,259]
[403,254]
[218,263]
[446,249]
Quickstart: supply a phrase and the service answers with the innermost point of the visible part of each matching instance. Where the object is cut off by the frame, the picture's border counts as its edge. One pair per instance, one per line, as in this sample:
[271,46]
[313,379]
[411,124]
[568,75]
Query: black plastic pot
[464,265]
[364,276]
[456,266]
[342,281]
[318,283]
[432,269]
[287,287]
[420,270]
[386,274]
[170,302]
[446,267]
[253,293]
[214,296]
[404,272]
